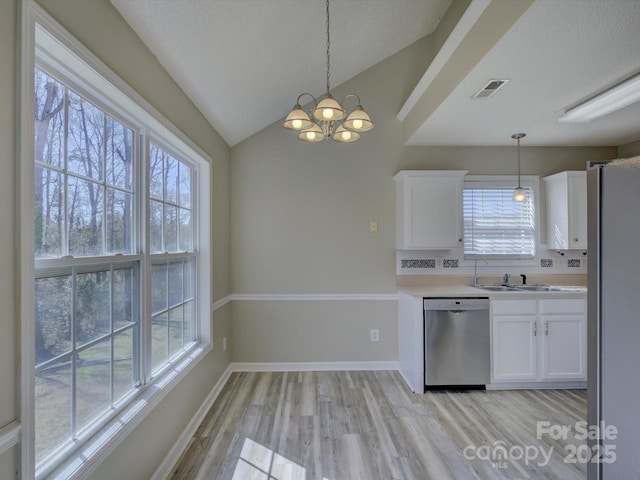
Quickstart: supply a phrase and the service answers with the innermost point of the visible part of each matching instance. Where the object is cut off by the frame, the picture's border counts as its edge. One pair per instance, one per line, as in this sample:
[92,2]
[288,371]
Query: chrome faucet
[505,279]
[475,270]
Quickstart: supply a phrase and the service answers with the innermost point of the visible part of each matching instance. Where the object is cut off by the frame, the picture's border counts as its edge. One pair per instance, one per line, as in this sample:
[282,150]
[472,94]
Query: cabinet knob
[575,239]
[459,240]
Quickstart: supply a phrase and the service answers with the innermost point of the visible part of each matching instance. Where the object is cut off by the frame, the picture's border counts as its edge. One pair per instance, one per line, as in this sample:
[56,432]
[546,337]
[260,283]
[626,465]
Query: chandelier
[327,117]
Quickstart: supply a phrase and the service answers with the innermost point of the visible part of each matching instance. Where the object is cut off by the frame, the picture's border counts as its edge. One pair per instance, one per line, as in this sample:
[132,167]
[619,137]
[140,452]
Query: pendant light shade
[326,118]
[519,194]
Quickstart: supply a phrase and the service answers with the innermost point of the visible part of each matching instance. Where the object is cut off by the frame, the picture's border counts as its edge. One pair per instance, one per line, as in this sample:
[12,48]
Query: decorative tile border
[546,262]
[573,262]
[450,263]
[428,263]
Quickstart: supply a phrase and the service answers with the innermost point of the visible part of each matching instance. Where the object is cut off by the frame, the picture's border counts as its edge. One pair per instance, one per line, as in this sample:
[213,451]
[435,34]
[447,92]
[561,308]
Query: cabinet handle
[546,328]
[535,329]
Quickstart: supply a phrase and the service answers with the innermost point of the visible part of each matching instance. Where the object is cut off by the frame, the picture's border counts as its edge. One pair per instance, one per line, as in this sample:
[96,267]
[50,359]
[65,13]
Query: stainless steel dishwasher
[457,344]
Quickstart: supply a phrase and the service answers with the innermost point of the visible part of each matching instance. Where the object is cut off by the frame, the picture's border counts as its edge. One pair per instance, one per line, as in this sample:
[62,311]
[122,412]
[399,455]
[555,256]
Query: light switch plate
[373,226]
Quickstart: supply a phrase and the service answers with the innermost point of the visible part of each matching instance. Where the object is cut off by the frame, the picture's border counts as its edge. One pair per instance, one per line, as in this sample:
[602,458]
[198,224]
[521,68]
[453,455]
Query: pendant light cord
[518,136]
[328,50]
[518,163]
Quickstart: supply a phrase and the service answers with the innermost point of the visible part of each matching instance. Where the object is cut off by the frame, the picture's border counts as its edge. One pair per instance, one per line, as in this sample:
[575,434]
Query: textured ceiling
[559,53]
[242,62]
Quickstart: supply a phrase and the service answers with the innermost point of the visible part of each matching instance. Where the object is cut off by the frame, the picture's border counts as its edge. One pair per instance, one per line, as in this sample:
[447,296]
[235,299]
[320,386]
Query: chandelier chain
[328,51]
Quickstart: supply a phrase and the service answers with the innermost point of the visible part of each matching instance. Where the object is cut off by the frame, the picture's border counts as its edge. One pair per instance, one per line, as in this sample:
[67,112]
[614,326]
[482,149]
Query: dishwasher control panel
[456,303]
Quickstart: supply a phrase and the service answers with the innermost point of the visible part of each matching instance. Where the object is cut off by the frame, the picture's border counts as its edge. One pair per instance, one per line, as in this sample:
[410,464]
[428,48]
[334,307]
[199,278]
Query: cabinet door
[566,210]
[514,348]
[578,210]
[429,213]
[563,347]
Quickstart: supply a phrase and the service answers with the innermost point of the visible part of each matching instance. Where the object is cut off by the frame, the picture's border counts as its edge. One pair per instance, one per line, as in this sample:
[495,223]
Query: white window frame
[44,39]
[508,181]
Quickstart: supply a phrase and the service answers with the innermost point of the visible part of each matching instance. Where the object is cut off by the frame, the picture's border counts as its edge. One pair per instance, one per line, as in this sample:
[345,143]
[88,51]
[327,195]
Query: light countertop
[455,286]
[468,291]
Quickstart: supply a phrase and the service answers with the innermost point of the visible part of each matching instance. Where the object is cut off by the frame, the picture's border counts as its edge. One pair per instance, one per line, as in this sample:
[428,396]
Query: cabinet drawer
[514,307]
[575,306]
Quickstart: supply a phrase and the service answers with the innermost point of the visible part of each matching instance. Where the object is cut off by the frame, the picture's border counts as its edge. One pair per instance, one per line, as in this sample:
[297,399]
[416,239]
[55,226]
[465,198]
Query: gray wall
[300,215]
[100,28]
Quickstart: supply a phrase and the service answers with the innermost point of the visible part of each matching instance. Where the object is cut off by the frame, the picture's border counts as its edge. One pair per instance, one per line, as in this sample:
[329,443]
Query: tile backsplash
[453,262]
[418,263]
[546,262]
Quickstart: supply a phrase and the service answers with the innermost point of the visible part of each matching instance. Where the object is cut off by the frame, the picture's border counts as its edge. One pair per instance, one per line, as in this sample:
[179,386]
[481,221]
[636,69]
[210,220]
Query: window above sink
[495,226]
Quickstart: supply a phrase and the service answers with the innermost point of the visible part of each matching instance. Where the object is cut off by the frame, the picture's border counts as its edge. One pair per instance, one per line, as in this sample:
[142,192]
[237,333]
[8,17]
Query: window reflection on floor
[258,462]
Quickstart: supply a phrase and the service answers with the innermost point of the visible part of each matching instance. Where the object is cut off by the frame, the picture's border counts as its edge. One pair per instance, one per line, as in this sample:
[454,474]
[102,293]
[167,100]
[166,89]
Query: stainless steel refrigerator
[614,319]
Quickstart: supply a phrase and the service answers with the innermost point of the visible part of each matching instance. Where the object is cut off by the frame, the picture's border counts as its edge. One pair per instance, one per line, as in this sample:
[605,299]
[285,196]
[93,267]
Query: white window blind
[495,225]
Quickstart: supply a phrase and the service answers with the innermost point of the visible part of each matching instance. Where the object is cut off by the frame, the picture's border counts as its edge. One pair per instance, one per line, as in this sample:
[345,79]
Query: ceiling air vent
[491,87]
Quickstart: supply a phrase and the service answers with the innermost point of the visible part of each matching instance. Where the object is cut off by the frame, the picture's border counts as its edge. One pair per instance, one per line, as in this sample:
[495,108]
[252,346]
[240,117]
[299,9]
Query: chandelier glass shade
[328,118]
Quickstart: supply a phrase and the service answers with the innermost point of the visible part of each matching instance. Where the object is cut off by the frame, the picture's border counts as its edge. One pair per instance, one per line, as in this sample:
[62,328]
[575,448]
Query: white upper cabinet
[429,209]
[567,210]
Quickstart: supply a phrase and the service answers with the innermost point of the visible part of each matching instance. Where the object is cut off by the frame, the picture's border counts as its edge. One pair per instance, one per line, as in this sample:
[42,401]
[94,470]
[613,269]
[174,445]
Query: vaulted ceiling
[242,61]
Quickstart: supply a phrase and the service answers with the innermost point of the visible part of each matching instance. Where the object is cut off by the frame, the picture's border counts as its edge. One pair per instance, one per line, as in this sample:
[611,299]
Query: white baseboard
[311,366]
[164,470]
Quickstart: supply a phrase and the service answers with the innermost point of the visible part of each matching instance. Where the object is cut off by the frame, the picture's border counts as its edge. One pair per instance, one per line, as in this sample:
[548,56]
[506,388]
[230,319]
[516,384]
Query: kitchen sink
[497,288]
[536,288]
[529,288]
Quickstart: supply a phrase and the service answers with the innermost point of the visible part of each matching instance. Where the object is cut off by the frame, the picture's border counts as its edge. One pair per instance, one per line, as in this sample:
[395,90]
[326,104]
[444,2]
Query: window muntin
[170,202]
[87,336]
[89,329]
[173,308]
[83,178]
[494,225]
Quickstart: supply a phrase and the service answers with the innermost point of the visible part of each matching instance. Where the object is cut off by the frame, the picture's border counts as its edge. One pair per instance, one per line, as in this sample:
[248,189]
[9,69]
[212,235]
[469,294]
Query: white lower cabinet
[539,340]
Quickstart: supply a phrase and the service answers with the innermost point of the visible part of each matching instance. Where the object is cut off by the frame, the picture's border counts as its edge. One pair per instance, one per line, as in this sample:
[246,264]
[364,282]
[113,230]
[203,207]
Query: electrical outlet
[224,344]
[373,226]
[374,334]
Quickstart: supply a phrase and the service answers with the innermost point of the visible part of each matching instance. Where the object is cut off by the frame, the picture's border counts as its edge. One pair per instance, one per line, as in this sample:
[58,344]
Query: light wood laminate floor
[370,426]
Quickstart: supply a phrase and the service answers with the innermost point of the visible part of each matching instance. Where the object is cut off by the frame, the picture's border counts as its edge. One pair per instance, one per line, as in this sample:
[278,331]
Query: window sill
[92,452]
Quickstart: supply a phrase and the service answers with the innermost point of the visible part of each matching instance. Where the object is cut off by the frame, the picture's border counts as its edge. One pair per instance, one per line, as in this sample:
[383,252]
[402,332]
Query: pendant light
[519,194]
[328,117]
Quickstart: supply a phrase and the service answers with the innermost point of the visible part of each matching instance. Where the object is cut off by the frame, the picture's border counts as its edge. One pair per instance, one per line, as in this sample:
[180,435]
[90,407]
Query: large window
[495,226]
[115,263]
